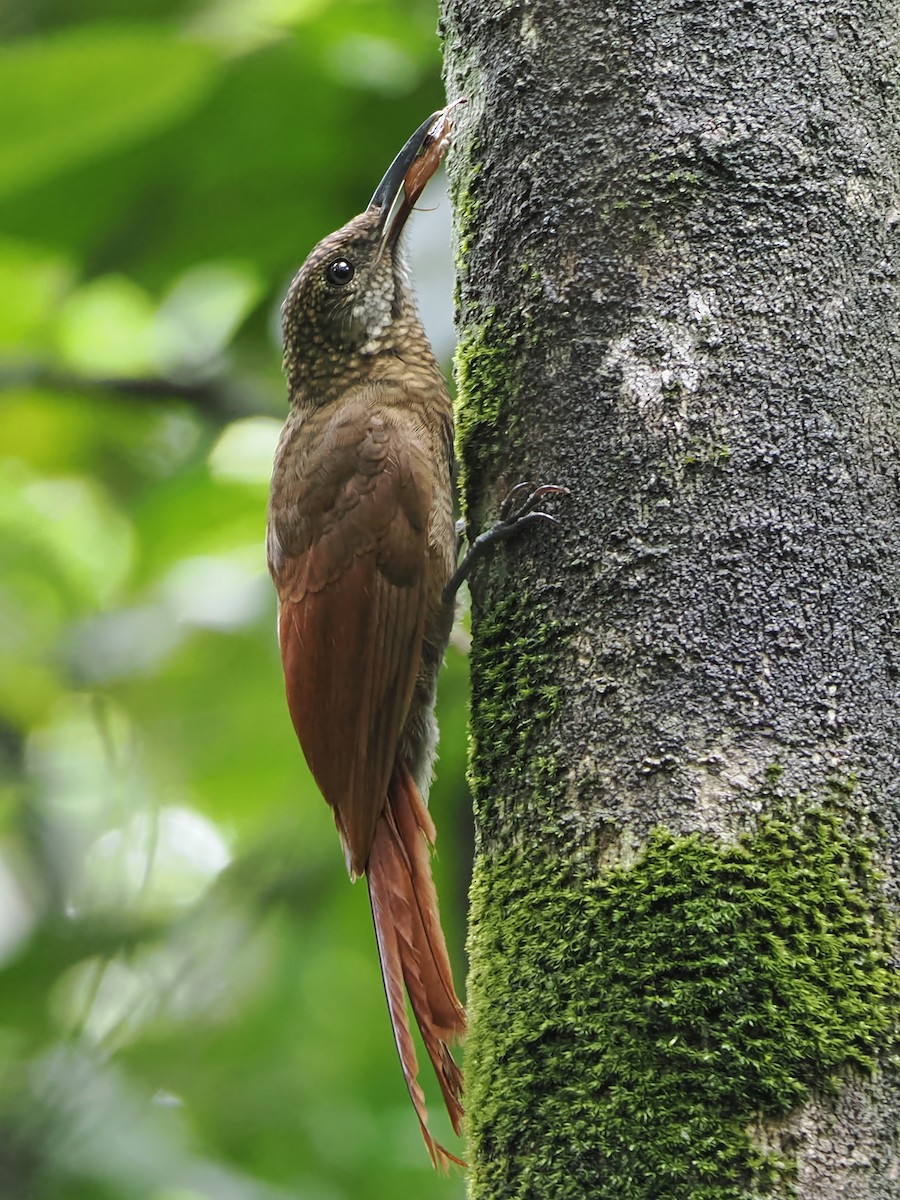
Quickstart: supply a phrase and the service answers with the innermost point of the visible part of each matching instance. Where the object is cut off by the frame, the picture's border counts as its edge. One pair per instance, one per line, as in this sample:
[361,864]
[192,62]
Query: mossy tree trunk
[675,229]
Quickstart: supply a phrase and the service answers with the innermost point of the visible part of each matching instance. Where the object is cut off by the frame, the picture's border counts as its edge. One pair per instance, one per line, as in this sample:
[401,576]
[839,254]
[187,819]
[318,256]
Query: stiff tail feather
[412,950]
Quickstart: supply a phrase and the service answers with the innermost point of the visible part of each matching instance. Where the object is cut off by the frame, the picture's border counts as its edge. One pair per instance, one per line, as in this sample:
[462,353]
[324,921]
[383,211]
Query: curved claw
[527,506]
[537,515]
[510,497]
[510,522]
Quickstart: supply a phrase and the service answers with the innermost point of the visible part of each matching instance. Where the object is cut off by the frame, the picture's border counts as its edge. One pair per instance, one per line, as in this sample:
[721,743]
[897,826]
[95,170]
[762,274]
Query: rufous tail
[413,953]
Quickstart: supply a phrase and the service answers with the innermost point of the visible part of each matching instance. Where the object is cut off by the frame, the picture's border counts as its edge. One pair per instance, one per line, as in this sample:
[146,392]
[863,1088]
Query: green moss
[681,176]
[630,1027]
[772,774]
[842,787]
[464,198]
[514,683]
[706,454]
[487,364]
[487,368]
[673,392]
[515,692]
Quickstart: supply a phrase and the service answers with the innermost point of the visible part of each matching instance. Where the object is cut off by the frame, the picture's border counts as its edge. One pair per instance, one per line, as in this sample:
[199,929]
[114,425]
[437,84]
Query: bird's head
[352,297]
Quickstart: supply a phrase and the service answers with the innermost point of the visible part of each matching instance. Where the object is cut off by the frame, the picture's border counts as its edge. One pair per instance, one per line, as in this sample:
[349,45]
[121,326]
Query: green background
[190,1003]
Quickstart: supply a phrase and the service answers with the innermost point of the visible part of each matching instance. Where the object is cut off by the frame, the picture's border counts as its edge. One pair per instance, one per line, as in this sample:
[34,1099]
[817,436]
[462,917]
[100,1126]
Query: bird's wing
[348,551]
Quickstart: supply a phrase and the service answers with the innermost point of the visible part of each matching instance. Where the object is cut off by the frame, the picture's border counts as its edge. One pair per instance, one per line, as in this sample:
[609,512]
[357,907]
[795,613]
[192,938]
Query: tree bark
[675,227]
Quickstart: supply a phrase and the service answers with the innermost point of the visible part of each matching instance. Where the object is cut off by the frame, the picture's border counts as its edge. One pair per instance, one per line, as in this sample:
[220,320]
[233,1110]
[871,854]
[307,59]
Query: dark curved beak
[392,183]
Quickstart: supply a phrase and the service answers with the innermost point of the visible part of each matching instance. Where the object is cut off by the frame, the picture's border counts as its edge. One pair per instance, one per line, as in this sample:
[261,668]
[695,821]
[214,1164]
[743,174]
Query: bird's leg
[516,513]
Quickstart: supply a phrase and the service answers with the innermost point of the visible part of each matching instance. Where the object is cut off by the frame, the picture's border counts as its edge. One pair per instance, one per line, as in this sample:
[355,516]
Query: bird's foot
[518,510]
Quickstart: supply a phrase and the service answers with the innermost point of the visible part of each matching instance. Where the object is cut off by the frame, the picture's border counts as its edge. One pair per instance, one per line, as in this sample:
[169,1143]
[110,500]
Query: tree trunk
[675,225]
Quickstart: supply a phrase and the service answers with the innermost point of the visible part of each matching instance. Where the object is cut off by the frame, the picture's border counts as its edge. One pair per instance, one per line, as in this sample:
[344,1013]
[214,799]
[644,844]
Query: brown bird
[361,545]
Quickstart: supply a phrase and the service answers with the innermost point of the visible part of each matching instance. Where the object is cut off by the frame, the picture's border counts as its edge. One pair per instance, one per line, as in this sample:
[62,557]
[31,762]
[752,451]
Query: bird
[362,547]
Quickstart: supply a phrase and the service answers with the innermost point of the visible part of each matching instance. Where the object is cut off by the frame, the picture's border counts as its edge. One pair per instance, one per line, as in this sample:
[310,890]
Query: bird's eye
[340,272]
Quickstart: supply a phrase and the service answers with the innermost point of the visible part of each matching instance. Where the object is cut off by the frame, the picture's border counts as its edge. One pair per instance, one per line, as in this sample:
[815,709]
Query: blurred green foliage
[190,1003]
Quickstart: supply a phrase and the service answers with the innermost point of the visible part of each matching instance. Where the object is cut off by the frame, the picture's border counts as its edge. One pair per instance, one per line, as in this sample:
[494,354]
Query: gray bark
[677,228]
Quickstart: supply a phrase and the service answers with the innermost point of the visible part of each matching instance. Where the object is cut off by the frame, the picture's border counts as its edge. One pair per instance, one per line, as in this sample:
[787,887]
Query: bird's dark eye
[340,272]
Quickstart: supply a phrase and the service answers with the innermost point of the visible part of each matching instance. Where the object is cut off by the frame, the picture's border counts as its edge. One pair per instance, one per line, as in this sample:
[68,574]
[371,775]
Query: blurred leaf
[200,314]
[73,521]
[85,91]
[106,328]
[245,450]
[32,282]
[190,1001]
[58,431]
